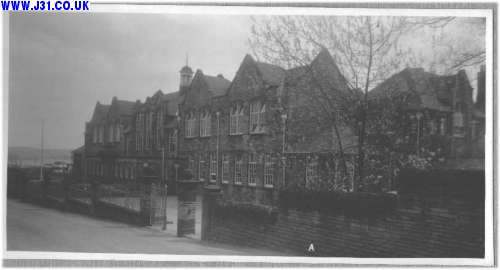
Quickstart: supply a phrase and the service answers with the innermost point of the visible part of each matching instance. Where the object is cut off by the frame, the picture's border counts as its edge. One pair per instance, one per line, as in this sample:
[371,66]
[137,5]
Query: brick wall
[423,225]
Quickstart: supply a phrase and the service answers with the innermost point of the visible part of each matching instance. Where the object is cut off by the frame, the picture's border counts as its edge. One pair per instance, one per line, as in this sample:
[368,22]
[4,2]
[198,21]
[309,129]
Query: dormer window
[236,120]
[257,110]
[205,121]
[190,125]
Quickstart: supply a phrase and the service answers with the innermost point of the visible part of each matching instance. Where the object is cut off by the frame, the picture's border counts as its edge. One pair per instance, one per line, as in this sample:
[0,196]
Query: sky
[61,64]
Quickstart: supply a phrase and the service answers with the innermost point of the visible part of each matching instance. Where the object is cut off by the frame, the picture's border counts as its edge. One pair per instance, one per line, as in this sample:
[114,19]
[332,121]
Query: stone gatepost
[210,195]
[186,206]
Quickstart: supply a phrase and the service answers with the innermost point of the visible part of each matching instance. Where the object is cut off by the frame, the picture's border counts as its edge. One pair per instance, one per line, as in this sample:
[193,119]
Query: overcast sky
[61,64]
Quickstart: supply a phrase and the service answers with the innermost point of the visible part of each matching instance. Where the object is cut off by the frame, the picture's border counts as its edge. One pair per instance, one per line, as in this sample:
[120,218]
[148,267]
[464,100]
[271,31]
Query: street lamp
[284,117]
[217,147]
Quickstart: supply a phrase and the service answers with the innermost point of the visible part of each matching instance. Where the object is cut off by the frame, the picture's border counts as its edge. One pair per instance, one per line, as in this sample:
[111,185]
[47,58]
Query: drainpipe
[217,147]
[283,158]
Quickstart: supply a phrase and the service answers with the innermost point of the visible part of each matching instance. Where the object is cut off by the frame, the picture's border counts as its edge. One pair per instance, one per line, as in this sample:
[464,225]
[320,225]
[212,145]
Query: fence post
[210,195]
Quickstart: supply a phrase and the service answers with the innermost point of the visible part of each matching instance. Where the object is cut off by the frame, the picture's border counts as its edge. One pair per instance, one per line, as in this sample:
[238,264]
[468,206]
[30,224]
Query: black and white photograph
[249,135]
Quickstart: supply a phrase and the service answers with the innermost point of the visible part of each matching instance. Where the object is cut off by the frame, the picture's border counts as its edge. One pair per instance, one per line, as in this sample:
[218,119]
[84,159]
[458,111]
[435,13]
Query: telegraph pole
[41,153]
[164,189]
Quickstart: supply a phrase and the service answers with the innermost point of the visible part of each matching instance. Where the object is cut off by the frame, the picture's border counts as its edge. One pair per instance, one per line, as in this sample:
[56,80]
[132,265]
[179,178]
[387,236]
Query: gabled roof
[434,91]
[271,74]
[323,73]
[100,112]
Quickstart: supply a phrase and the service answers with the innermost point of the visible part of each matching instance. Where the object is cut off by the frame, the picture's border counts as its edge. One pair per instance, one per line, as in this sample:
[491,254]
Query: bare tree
[364,49]
[367,51]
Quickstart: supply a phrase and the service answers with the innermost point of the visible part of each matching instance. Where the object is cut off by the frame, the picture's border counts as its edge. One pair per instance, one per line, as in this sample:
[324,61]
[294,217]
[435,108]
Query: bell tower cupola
[186,75]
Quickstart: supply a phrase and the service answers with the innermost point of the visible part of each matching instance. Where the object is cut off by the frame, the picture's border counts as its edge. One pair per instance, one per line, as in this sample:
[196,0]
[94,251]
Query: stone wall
[441,222]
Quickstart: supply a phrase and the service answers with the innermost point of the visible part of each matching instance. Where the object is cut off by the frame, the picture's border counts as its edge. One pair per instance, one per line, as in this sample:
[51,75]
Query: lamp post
[284,117]
[217,147]
[164,189]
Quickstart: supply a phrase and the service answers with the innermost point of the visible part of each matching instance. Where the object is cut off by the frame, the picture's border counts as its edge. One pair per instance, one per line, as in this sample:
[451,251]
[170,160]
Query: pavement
[35,228]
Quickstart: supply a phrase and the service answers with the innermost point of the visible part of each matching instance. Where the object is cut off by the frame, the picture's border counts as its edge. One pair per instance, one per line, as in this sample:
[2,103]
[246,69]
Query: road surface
[34,228]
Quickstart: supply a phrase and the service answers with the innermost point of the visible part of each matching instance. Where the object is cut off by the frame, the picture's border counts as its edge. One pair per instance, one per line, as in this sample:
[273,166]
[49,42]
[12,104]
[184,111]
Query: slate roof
[433,90]
[173,99]
[218,85]
[125,107]
[100,112]
[78,150]
[271,74]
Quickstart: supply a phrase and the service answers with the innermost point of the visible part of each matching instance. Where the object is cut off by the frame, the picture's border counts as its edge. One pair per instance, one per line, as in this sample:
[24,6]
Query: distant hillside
[31,155]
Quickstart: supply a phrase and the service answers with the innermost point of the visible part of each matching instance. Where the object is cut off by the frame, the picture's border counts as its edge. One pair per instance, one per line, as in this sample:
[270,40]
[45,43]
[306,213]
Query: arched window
[190,122]
[205,121]
[257,110]
[236,123]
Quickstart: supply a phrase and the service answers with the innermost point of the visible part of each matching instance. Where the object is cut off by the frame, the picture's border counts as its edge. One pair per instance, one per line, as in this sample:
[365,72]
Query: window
[117,132]
[101,169]
[338,181]
[252,170]
[257,111]
[236,120]
[137,130]
[149,128]
[432,127]
[458,124]
[159,126]
[442,126]
[213,167]
[172,141]
[111,134]
[191,167]
[205,122]
[202,166]
[101,134]
[268,171]
[238,171]
[190,125]
[95,137]
[311,172]
[474,129]
[225,168]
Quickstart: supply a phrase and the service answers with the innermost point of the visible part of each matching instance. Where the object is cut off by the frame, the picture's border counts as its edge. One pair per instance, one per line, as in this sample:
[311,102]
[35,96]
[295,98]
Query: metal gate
[158,204]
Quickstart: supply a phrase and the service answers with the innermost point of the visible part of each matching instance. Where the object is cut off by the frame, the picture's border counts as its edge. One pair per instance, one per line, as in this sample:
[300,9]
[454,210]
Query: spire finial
[187,59]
